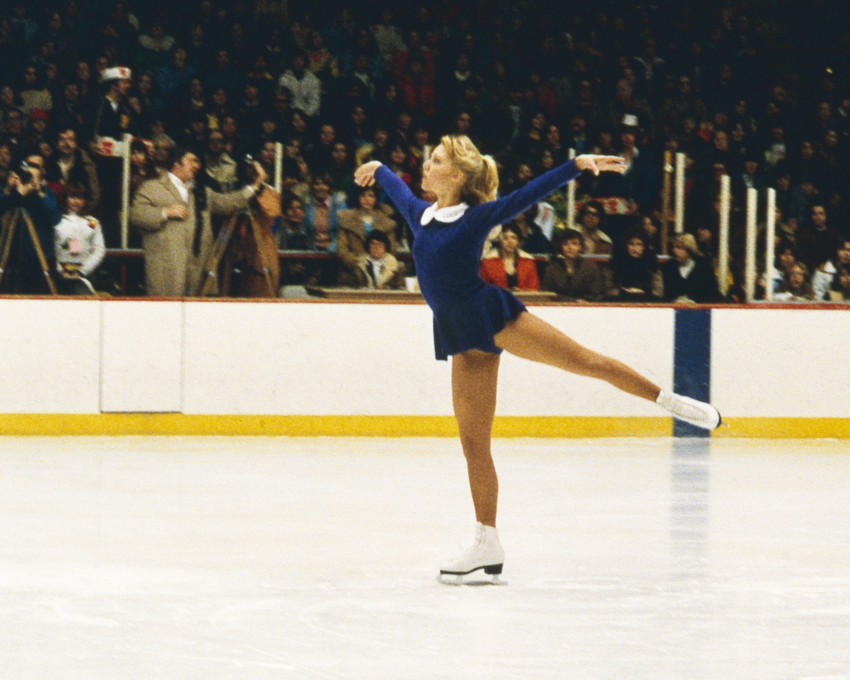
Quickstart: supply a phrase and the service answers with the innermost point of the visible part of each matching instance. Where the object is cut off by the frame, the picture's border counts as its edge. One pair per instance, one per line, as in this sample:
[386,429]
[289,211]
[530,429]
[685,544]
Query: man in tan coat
[177,236]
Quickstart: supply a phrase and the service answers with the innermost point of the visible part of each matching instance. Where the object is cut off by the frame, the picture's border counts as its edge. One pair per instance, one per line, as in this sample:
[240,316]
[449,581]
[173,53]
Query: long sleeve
[507,207]
[312,94]
[44,209]
[98,251]
[147,209]
[93,181]
[230,202]
[45,213]
[86,231]
[410,207]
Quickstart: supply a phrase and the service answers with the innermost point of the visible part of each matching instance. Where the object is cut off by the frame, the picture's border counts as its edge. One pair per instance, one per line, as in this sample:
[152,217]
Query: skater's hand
[597,164]
[364,176]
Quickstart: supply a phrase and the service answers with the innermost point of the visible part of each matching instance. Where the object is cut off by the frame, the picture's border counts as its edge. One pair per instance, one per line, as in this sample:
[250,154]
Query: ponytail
[481,177]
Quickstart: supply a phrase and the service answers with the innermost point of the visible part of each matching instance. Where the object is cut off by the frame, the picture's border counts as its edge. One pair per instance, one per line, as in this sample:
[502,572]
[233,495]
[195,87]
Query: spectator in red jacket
[509,267]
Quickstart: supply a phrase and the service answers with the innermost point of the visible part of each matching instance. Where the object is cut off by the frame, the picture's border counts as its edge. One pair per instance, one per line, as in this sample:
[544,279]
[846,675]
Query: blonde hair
[481,177]
[689,243]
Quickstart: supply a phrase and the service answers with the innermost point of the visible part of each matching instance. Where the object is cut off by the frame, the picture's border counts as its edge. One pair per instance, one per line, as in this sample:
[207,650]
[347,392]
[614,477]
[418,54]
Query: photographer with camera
[173,214]
[26,197]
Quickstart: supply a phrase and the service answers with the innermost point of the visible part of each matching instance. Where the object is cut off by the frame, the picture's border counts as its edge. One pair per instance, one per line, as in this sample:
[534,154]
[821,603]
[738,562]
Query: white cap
[115,73]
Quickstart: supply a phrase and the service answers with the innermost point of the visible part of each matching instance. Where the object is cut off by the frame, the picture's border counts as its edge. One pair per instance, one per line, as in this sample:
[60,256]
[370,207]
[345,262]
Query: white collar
[448,214]
[181,186]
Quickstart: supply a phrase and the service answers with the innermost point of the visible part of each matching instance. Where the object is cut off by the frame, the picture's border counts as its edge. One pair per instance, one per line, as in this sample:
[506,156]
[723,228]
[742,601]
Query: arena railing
[672,200]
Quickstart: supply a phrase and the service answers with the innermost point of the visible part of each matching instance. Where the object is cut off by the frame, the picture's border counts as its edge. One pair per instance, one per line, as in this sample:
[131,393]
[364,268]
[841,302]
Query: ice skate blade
[490,577]
[708,427]
[460,580]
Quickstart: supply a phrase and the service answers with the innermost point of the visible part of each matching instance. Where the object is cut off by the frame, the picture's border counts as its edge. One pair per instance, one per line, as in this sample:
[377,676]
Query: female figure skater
[474,322]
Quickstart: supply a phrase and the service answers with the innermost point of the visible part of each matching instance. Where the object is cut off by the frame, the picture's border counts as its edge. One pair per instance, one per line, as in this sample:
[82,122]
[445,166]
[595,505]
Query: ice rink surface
[316,559]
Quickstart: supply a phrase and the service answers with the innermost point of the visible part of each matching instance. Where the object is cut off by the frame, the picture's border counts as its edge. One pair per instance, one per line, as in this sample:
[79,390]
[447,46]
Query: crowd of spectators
[763,97]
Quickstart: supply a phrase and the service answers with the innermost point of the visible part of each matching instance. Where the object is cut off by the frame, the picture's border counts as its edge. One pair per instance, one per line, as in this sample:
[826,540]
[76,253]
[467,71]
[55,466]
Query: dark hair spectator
[506,265]
[572,276]
[634,266]
[591,223]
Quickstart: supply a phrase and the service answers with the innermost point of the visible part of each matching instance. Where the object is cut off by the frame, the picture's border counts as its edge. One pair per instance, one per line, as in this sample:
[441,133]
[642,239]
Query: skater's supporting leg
[532,338]
[474,378]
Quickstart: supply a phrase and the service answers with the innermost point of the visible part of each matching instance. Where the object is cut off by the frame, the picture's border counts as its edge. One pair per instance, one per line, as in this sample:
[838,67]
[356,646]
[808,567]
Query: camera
[24,172]
[248,164]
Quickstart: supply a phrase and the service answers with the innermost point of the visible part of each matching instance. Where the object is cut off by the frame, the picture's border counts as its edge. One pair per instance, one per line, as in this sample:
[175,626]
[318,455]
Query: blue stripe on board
[692,362]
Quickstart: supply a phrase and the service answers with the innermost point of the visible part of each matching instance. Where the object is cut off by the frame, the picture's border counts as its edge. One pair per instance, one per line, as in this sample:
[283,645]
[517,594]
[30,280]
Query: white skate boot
[689,410]
[485,553]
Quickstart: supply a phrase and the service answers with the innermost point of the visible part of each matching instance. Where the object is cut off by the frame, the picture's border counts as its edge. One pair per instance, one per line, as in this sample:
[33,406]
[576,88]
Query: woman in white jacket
[78,244]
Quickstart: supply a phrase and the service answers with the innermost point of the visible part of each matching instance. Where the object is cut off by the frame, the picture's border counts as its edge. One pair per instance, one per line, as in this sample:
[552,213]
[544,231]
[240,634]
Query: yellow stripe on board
[786,428]
[396,426]
[319,426]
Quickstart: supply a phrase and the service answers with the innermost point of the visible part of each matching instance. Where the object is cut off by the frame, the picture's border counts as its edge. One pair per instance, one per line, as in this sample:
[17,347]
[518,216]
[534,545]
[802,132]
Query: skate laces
[690,410]
[480,543]
[480,536]
[683,409]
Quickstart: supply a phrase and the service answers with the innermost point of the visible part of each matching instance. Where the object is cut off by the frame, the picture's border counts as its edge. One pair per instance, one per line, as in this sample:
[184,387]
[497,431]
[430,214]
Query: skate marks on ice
[315,559]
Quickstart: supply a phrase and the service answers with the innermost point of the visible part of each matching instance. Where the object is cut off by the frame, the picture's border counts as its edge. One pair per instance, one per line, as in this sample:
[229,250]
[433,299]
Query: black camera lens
[24,172]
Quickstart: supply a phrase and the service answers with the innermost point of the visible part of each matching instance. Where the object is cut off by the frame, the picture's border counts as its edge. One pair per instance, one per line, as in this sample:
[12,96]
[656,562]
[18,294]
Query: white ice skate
[485,553]
[690,410]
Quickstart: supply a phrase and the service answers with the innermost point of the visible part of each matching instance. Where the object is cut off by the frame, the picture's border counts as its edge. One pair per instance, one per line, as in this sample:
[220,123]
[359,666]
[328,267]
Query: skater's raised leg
[532,338]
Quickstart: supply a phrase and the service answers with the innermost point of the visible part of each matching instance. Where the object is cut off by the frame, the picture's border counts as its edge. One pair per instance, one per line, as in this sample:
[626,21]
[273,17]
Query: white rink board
[366,359]
[780,362]
[320,358]
[142,367]
[312,359]
[49,356]
[640,337]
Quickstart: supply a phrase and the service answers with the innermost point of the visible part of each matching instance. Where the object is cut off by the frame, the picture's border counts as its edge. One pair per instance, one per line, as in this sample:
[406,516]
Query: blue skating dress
[447,246]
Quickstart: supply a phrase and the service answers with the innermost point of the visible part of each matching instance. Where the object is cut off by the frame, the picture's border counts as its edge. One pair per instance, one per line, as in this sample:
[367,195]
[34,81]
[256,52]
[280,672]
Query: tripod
[263,251]
[8,226]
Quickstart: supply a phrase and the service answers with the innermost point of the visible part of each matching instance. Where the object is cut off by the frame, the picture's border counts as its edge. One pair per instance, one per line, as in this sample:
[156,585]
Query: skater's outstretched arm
[509,206]
[410,207]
